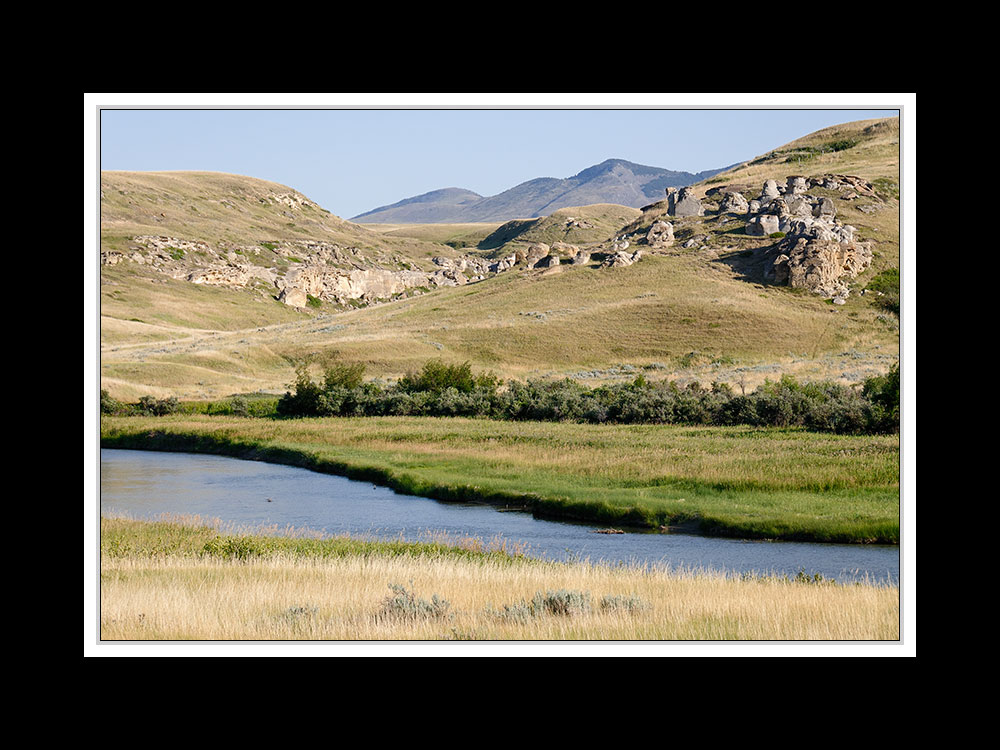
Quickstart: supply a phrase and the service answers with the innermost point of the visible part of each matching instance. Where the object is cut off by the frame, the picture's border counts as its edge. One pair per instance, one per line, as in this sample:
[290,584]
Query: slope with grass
[702,312]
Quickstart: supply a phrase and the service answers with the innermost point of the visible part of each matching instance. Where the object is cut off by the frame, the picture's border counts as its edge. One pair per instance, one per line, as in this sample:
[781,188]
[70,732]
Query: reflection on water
[148,484]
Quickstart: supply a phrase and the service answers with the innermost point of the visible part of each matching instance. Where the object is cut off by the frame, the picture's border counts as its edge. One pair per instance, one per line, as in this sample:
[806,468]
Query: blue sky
[353,160]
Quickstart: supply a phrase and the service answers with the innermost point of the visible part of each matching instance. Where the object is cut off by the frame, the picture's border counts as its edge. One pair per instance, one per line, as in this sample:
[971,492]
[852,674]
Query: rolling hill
[699,309]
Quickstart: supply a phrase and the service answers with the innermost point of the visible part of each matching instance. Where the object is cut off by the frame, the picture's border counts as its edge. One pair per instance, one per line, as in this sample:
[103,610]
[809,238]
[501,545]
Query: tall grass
[159,583]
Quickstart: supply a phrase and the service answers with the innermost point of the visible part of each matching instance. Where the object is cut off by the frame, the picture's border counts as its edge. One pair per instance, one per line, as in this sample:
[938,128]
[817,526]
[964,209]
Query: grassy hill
[702,312]
[231,210]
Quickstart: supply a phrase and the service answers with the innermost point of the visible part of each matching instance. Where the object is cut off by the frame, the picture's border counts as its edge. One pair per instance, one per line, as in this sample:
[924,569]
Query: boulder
[763,225]
[683,203]
[581,258]
[293,297]
[661,234]
[769,191]
[535,253]
[620,259]
[796,184]
[824,208]
[734,203]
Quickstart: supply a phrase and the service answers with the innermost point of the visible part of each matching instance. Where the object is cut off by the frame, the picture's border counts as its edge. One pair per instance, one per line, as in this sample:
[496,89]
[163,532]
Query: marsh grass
[168,591]
[737,481]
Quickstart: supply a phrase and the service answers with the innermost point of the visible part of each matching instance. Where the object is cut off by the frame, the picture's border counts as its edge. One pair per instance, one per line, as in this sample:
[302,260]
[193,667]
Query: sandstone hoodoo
[817,251]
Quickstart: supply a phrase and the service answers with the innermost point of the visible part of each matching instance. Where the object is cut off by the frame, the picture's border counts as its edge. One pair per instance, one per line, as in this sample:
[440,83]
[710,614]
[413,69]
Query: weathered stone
[581,258]
[548,261]
[769,191]
[684,203]
[293,297]
[824,209]
[796,184]
[535,253]
[620,259]
[660,235]
[762,225]
[734,203]
[822,266]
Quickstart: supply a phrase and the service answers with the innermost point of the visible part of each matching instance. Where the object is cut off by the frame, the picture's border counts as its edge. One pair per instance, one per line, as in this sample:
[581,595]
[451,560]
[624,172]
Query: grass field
[754,483]
[178,580]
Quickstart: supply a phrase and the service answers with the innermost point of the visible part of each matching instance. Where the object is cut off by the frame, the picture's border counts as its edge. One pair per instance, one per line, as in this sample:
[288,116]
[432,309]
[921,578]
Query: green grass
[753,483]
[188,536]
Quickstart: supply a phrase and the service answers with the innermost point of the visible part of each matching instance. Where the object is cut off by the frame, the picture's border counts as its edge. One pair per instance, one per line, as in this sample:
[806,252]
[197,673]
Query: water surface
[148,484]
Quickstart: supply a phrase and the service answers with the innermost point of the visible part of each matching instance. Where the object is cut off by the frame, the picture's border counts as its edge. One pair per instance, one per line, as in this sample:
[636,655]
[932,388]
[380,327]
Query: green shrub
[151,406]
[110,405]
[437,376]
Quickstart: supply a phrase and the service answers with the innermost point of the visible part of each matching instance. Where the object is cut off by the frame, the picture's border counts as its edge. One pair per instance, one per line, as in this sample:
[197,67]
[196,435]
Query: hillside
[612,181]
[699,307]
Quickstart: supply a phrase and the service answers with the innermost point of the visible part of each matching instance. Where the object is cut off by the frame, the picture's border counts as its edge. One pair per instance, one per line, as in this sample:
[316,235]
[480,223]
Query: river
[149,484]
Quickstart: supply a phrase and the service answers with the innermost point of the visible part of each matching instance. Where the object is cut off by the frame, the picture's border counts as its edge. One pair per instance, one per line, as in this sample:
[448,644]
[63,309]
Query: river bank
[751,483]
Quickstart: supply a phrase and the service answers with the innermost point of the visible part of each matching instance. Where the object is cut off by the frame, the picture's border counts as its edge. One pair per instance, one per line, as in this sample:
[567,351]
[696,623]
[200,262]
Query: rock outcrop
[817,251]
[820,266]
[297,270]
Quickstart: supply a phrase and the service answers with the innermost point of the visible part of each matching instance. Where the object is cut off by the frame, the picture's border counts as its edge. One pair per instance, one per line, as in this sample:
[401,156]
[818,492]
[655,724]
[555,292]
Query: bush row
[451,390]
[442,390]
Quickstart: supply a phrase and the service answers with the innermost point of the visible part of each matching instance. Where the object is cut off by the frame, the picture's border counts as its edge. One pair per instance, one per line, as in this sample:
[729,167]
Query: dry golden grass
[877,155]
[198,343]
[280,599]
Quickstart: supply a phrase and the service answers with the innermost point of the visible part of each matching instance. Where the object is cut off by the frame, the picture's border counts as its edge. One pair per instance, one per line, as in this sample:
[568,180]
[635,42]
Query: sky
[360,156]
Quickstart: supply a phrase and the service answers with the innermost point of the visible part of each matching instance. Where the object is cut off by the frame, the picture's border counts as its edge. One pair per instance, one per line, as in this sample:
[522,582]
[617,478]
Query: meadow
[179,580]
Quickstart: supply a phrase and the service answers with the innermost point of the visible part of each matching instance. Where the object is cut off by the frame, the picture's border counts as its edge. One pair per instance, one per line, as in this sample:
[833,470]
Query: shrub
[154,407]
[437,376]
[343,375]
[562,602]
[404,604]
[239,407]
[882,391]
[110,405]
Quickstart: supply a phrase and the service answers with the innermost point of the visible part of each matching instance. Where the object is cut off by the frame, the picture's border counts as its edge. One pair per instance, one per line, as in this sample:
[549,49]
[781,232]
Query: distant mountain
[612,181]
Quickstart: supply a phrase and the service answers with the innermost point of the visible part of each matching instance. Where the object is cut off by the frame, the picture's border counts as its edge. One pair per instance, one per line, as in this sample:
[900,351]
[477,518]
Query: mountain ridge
[612,181]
